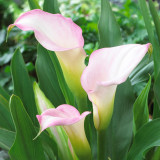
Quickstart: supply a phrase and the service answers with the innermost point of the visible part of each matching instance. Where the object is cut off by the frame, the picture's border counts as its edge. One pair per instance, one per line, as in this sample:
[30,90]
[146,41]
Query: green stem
[101,141]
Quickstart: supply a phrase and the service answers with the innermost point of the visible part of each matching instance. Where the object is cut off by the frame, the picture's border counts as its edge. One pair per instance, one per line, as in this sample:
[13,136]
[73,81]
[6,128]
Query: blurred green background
[85,13]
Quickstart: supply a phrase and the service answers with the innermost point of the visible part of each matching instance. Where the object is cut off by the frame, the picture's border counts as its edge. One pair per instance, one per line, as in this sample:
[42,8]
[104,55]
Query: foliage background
[85,13]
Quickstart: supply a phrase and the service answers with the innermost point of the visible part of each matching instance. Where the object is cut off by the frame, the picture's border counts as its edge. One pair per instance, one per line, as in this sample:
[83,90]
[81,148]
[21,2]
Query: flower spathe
[107,68]
[73,123]
[57,33]
[53,31]
[56,132]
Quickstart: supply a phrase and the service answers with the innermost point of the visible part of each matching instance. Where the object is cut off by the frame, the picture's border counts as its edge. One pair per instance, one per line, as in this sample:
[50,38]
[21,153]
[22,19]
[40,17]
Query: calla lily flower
[56,132]
[73,123]
[57,33]
[107,68]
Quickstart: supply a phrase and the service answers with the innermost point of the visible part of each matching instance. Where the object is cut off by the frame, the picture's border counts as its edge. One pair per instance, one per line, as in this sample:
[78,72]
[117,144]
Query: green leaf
[156,110]
[109,30]
[22,84]
[4,93]
[47,77]
[5,116]
[152,38]
[155,18]
[139,77]
[156,154]
[63,85]
[57,133]
[42,103]
[33,4]
[6,138]
[157,89]
[24,146]
[145,138]
[50,147]
[51,6]
[4,102]
[140,73]
[119,132]
[140,108]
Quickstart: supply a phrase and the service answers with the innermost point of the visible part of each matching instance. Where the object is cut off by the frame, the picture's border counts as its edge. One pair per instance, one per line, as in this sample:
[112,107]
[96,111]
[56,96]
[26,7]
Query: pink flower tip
[60,116]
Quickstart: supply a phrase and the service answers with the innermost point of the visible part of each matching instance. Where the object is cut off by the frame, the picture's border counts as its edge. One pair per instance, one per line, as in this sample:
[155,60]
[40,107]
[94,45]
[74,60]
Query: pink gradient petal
[107,68]
[53,31]
[112,66]
[62,115]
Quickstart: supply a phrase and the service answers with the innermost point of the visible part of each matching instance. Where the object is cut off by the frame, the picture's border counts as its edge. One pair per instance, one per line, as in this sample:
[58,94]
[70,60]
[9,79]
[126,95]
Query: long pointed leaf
[50,147]
[4,93]
[63,85]
[146,137]
[24,147]
[109,30]
[47,77]
[140,108]
[51,6]
[150,30]
[157,89]
[33,4]
[5,116]
[6,139]
[22,84]
[156,47]
[155,18]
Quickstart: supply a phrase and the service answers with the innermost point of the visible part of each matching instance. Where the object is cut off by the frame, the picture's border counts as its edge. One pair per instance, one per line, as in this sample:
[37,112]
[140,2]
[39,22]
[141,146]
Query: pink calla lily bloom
[107,68]
[57,33]
[73,123]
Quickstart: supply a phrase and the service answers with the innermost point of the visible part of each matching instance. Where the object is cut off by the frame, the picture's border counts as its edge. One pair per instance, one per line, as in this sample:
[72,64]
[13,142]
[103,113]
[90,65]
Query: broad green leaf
[157,89]
[4,102]
[119,132]
[155,18]
[47,77]
[156,47]
[33,4]
[6,138]
[22,84]
[157,26]
[63,85]
[147,137]
[140,108]
[139,77]
[51,6]
[4,93]
[152,38]
[109,30]
[5,116]
[42,103]
[24,147]
[156,110]
[143,69]
[49,146]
